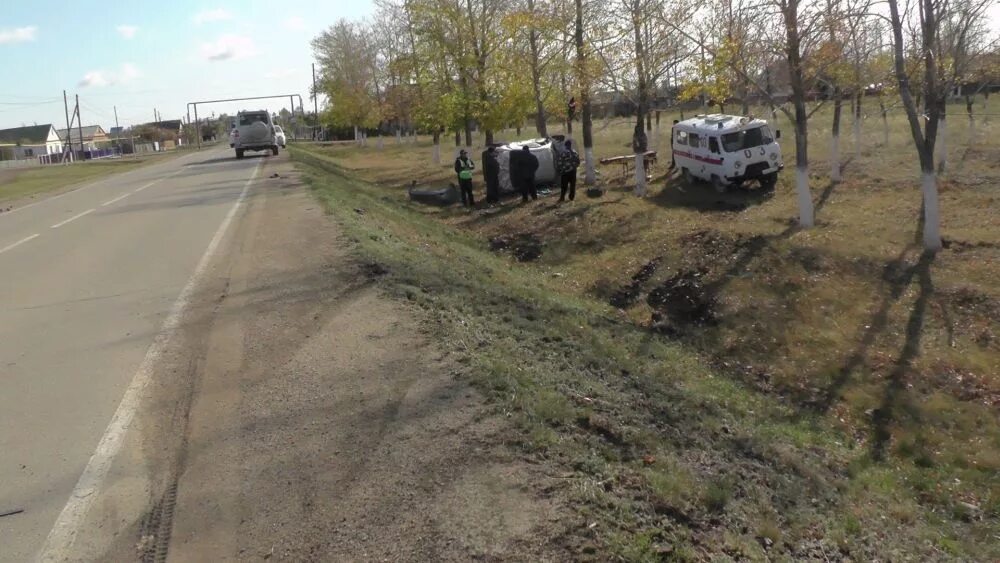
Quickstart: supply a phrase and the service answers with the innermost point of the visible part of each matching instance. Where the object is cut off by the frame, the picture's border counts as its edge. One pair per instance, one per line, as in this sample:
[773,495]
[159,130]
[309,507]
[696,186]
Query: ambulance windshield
[747,139]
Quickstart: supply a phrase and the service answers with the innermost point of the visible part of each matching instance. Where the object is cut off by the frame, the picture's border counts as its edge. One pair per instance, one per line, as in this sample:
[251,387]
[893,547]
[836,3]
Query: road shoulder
[302,414]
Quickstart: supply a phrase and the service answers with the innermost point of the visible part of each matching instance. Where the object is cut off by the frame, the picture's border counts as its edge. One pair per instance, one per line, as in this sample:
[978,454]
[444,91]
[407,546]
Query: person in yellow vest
[464,167]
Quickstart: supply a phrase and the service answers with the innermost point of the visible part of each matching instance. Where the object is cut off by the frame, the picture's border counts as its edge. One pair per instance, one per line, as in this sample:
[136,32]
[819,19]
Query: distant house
[22,143]
[172,125]
[93,136]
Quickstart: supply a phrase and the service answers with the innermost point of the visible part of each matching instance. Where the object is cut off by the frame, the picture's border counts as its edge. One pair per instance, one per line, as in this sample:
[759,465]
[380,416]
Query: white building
[22,143]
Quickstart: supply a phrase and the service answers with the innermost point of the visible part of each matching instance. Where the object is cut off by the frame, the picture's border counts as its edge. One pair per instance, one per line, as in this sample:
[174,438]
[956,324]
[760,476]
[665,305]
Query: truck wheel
[719,185]
[274,150]
[688,176]
[768,181]
[239,153]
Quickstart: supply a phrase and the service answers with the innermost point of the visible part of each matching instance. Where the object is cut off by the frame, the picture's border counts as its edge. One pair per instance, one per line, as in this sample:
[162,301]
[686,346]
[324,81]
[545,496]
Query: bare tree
[947,35]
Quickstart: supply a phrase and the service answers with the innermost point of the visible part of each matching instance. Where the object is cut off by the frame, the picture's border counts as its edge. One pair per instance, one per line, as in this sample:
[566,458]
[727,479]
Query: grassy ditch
[672,451]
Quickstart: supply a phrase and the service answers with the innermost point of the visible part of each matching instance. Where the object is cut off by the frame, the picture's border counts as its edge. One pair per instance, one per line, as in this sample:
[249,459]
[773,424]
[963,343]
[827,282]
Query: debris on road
[11,512]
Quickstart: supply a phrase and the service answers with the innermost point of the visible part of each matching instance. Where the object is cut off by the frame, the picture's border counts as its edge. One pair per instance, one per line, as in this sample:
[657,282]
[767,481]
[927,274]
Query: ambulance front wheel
[719,184]
[767,181]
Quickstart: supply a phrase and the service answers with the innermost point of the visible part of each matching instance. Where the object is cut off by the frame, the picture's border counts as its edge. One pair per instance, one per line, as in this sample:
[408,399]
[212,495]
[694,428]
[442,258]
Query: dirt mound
[525,247]
[627,295]
[682,300]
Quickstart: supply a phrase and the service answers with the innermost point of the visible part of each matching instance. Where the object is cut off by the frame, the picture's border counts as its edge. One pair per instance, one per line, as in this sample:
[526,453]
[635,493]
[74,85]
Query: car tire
[239,153]
[274,150]
[768,181]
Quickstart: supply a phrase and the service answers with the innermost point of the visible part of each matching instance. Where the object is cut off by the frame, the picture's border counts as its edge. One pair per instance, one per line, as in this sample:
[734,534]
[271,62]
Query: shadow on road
[230,158]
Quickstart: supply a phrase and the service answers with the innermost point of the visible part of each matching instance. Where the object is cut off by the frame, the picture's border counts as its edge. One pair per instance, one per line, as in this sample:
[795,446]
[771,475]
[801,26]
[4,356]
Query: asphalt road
[88,279]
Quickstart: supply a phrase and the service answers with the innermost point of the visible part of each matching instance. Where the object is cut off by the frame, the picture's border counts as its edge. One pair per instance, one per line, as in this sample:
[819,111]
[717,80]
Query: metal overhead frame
[291,98]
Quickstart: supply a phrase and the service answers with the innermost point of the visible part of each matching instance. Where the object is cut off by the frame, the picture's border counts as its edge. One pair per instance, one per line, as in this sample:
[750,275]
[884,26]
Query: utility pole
[79,124]
[197,127]
[315,102]
[118,131]
[66,107]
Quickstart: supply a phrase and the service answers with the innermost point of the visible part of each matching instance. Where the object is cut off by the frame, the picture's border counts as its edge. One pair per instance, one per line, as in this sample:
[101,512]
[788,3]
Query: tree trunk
[885,122]
[835,137]
[804,197]
[656,133]
[857,126]
[924,142]
[468,132]
[649,122]
[536,76]
[399,135]
[489,137]
[357,135]
[379,143]
[639,136]
[972,122]
[437,148]
[942,142]
[590,175]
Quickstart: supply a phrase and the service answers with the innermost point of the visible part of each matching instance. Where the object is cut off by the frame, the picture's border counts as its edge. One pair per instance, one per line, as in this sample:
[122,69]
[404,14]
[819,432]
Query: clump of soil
[682,300]
[627,295]
[525,247]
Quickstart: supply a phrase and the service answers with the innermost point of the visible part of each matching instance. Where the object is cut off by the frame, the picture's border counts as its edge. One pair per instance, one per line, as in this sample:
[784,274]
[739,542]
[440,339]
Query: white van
[727,150]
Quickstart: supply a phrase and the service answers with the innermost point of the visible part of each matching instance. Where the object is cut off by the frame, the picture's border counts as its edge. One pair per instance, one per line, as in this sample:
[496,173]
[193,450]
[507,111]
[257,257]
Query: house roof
[171,124]
[34,135]
[89,132]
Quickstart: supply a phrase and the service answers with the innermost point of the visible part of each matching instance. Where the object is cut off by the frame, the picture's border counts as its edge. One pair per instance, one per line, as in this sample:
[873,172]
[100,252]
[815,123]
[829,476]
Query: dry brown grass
[848,324]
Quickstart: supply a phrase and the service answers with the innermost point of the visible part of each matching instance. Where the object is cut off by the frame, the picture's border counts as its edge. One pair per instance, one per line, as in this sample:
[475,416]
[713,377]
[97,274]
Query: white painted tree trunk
[857,138]
[590,174]
[364,139]
[399,136]
[932,212]
[640,176]
[885,130]
[806,218]
[357,135]
[437,153]
[942,146]
[834,158]
[379,142]
[656,136]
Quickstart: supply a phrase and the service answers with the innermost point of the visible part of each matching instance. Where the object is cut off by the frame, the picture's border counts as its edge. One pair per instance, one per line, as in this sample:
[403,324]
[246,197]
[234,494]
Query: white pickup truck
[254,132]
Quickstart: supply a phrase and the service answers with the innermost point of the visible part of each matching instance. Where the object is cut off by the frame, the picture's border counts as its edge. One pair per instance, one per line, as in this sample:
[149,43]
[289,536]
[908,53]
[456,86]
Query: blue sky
[140,55]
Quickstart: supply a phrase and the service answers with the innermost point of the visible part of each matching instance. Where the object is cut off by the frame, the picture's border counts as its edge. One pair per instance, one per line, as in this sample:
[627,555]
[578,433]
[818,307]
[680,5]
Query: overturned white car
[547,152]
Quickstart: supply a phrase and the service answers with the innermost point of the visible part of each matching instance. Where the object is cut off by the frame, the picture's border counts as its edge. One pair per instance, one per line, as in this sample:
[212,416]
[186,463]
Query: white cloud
[294,23]
[127,31]
[93,78]
[228,47]
[127,73]
[215,15]
[18,34]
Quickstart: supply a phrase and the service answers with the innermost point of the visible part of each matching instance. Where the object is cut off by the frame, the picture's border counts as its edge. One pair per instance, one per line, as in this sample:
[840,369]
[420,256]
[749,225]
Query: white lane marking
[116,200]
[17,244]
[73,218]
[60,540]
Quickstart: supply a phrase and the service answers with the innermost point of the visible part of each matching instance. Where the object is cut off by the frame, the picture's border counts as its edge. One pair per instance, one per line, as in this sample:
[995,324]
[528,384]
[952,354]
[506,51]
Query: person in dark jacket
[491,171]
[569,161]
[523,165]
[464,167]
[673,158]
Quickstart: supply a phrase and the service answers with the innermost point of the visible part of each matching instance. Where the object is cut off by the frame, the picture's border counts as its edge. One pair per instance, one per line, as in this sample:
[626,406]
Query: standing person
[491,172]
[464,167]
[523,165]
[673,159]
[569,161]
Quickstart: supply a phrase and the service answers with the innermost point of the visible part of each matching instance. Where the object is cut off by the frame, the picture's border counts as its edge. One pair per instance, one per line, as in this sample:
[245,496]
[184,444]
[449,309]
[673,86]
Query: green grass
[29,182]
[679,448]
